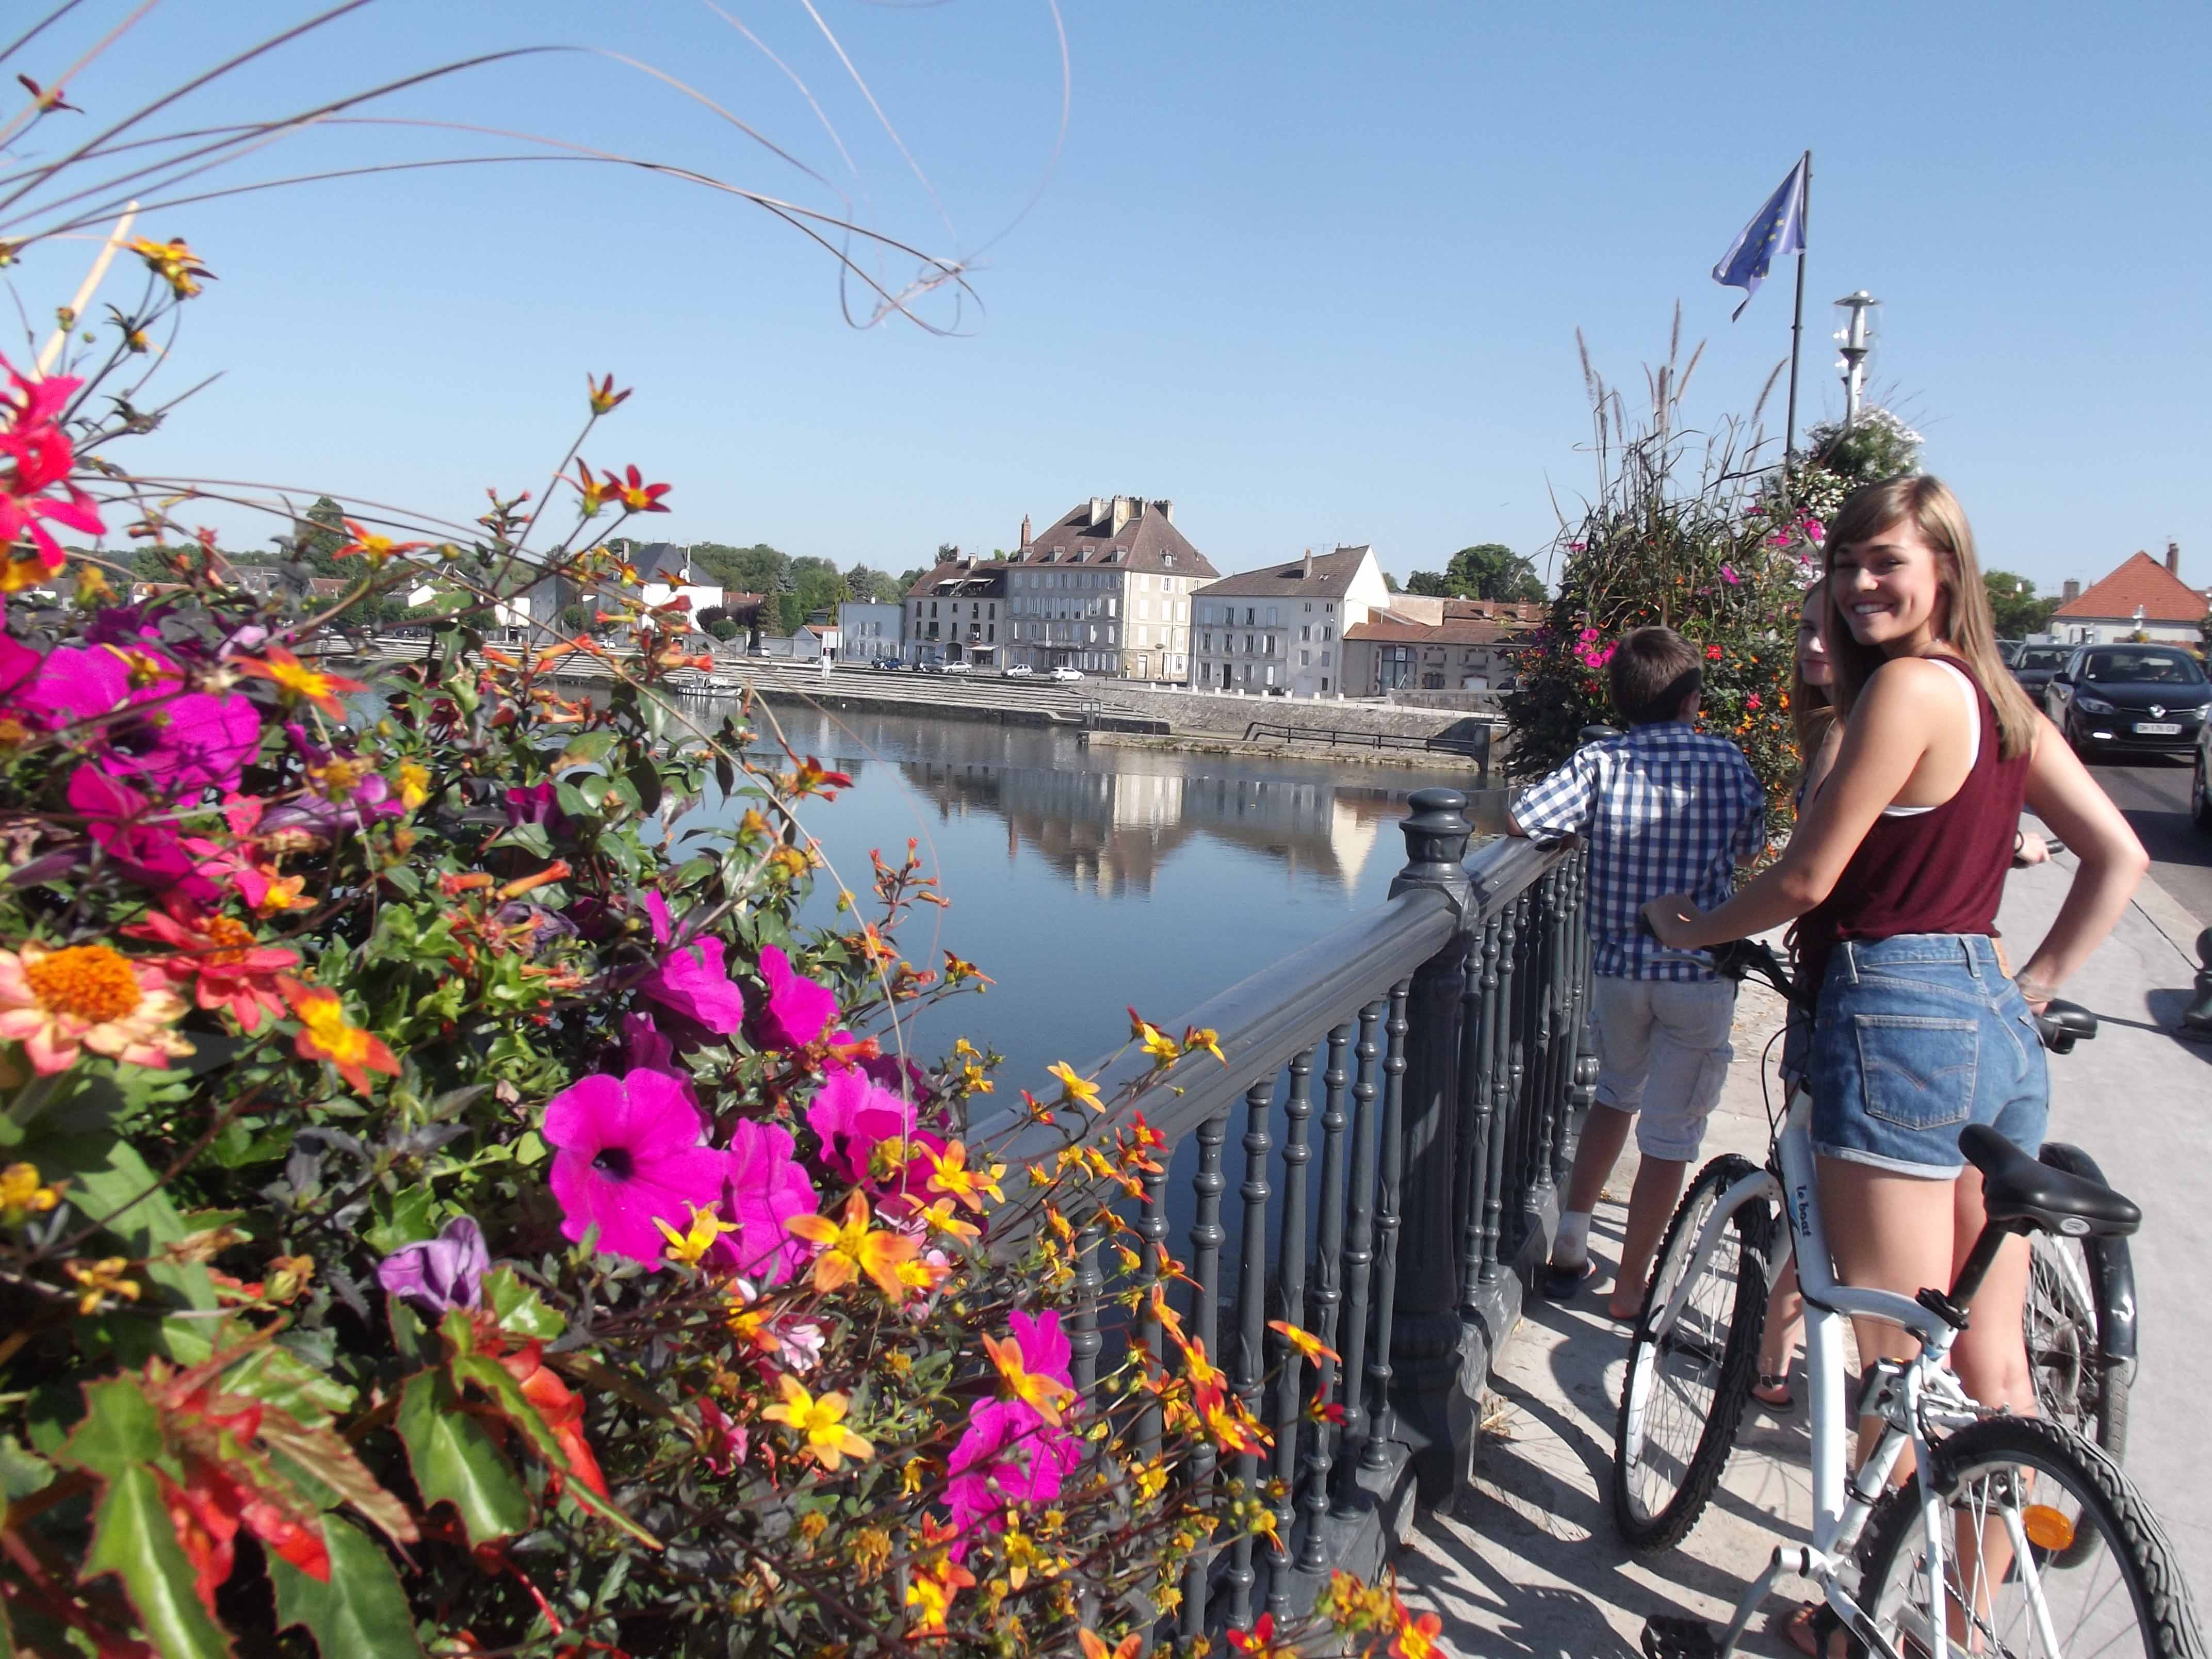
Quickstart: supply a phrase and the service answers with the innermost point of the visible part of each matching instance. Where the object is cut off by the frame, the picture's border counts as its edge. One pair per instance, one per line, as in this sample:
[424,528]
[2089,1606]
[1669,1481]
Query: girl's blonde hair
[1812,709]
[1971,629]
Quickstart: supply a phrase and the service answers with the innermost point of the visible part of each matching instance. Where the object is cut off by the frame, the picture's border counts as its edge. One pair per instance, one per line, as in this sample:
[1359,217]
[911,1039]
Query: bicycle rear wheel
[2077,1380]
[1687,1386]
[2018,1494]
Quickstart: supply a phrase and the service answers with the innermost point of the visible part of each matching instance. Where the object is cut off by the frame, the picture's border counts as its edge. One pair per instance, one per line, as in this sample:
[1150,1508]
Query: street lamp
[1856,338]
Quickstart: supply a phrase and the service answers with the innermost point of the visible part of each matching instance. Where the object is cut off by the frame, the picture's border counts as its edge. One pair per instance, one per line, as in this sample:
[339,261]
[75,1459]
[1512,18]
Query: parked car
[2143,698]
[1017,671]
[957,668]
[2008,651]
[2035,664]
[887,665]
[1062,672]
[926,666]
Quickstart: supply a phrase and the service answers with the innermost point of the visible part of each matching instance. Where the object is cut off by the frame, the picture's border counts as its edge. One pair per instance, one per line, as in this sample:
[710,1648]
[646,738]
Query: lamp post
[1856,338]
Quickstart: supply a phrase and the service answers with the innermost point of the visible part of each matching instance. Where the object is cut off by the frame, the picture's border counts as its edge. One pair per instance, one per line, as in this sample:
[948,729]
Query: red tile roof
[1457,631]
[2142,581]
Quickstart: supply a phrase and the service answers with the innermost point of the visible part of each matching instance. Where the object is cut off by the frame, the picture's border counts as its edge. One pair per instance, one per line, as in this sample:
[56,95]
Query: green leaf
[120,1430]
[22,1471]
[455,1462]
[280,1378]
[404,1218]
[110,1184]
[531,837]
[362,1610]
[585,749]
[645,778]
[133,1539]
[329,1465]
[517,1306]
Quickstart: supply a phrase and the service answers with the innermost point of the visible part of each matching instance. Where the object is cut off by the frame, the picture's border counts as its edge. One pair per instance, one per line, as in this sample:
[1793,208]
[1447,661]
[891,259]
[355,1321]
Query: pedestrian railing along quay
[1441,1041]
[1473,744]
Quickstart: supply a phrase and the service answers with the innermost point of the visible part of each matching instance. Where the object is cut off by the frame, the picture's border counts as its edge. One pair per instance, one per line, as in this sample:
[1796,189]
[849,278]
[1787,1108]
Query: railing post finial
[1437,834]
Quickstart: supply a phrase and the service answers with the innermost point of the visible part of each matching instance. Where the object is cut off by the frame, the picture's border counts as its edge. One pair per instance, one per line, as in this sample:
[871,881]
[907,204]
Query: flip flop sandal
[1811,1629]
[1760,1389]
[1563,1284]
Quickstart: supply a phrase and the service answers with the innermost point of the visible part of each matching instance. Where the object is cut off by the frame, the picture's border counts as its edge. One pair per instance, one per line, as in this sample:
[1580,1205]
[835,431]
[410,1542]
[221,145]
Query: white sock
[1570,1244]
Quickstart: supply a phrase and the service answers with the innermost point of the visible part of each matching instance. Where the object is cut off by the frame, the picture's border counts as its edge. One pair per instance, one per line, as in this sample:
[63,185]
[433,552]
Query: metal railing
[1475,746]
[1442,1040]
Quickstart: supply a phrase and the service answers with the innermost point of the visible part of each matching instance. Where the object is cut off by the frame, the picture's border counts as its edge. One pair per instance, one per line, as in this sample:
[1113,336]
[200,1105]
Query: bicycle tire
[2135,1553]
[1739,1274]
[2098,1406]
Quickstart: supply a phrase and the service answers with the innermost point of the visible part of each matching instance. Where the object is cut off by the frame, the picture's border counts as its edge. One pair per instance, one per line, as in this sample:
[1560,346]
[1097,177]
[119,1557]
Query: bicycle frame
[1909,1398]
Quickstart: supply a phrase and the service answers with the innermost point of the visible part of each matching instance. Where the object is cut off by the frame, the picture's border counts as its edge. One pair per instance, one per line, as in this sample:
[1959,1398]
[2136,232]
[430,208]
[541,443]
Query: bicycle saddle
[2018,1188]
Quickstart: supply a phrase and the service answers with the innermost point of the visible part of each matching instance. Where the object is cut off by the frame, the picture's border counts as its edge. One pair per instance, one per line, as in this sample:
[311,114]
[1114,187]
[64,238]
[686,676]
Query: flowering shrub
[449,1204]
[1699,543]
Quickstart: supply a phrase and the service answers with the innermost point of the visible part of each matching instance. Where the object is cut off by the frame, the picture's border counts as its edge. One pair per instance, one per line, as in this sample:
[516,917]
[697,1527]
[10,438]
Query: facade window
[1324,659]
[1330,608]
[990,632]
[1248,650]
[1309,607]
[1274,615]
[932,607]
[1328,630]
[1324,682]
[1305,629]
[1305,659]
[1394,667]
[1432,682]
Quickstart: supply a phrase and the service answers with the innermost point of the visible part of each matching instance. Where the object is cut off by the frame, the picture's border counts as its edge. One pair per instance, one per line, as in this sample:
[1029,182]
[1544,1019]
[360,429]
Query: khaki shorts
[1662,1054]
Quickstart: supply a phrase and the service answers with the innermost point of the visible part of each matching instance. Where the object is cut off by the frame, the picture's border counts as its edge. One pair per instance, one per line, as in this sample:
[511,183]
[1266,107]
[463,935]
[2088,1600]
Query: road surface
[2154,795]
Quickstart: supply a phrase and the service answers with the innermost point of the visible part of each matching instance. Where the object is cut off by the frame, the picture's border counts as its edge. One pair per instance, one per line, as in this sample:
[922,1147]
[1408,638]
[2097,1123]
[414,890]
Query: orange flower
[1416,1637]
[1310,1347]
[1042,1395]
[634,493]
[594,493]
[1128,1648]
[853,1247]
[950,1174]
[604,398]
[59,1003]
[374,548]
[295,681]
[325,1034]
[1259,1642]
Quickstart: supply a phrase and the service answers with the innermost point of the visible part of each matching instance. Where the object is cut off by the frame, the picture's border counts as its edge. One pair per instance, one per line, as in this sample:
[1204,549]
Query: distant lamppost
[1856,338]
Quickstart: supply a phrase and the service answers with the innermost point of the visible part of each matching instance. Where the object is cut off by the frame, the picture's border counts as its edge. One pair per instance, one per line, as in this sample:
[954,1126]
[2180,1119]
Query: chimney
[1097,508]
[1123,509]
[2172,558]
[1306,567]
[1167,510]
[1025,532]
[2070,591]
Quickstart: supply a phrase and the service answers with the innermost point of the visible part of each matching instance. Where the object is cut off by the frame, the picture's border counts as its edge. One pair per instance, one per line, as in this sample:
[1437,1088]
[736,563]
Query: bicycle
[2031,1525]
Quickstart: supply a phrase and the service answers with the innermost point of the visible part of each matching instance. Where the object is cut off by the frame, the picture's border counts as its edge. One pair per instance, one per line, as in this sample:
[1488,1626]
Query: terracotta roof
[2142,581]
[1510,611]
[966,579]
[1147,540]
[1316,576]
[1390,629]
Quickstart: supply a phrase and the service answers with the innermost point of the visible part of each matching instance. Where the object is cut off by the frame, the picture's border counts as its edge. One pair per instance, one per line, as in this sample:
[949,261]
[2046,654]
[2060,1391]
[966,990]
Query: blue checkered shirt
[1665,809]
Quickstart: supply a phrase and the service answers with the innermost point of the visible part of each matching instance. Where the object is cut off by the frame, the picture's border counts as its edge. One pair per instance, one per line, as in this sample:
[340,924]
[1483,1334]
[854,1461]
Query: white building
[1107,589]
[953,614]
[2140,599]
[1282,627]
[866,631]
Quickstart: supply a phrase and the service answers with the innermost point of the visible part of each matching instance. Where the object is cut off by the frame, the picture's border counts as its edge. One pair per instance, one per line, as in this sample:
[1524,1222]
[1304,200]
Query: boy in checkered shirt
[1665,809]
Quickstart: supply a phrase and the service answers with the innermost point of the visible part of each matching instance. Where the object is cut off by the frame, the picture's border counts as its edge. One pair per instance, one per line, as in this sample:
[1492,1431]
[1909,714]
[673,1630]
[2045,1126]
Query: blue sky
[1313,270]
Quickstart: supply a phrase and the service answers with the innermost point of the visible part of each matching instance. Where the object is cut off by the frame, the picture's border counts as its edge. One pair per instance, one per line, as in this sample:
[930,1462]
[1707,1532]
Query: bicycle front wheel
[2020,1496]
[1688,1383]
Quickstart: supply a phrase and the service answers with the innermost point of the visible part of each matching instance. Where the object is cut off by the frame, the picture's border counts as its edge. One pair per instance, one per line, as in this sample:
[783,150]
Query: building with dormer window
[1106,589]
[1282,627]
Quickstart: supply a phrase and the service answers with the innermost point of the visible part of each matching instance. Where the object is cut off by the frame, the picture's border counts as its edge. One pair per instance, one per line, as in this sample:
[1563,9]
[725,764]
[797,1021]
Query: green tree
[2014,603]
[759,568]
[909,578]
[873,586]
[315,538]
[1389,582]
[1429,584]
[1488,570]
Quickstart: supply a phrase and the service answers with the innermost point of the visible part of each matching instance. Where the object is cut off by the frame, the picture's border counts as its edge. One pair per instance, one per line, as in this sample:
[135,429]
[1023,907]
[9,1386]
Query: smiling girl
[1896,867]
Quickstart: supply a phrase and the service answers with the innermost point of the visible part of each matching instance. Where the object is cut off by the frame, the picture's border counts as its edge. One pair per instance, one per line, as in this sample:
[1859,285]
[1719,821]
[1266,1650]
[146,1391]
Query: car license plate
[2157,729]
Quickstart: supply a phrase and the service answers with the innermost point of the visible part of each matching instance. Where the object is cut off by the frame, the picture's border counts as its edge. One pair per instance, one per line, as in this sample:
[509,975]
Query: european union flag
[1775,232]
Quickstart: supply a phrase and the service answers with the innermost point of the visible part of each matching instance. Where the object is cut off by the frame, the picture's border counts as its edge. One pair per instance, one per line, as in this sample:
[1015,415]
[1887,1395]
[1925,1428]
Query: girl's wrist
[2033,987]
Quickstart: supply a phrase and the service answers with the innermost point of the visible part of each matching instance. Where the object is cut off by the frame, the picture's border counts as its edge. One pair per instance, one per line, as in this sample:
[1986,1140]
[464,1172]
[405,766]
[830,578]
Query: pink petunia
[693,982]
[1729,575]
[184,745]
[765,1187]
[853,1116]
[138,846]
[628,1154]
[799,1009]
[74,683]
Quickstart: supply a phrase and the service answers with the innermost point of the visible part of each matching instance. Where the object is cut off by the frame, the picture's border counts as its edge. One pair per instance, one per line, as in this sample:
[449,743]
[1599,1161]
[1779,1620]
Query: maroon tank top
[1938,871]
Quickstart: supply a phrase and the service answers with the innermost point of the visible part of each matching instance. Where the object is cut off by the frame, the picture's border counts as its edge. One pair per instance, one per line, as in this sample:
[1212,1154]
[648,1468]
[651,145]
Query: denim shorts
[1918,1036]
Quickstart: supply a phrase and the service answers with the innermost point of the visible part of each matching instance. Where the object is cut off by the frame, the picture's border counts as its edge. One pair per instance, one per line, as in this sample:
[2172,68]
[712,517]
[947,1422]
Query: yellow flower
[59,1003]
[1024,1555]
[870,1550]
[101,1279]
[1311,1347]
[1079,1088]
[1042,1395]
[853,1247]
[688,1246]
[21,1191]
[1163,1049]
[910,1475]
[1151,1481]
[820,1424]
[414,785]
[949,1175]
[1205,1037]
[174,262]
[941,1217]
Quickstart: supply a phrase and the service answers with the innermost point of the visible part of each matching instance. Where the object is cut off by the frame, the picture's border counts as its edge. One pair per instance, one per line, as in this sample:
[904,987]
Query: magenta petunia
[140,847]
[693,982]
[853,1114]
[1008,1454]
[184,745]
[799,1009]
[629,1153]
[765,1188]
[74,683]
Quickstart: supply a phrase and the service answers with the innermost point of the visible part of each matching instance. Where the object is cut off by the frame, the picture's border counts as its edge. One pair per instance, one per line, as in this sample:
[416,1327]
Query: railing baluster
[1359,1249]
[1083,1338]
[1290,1265]
[1206,1238]
[1152,1227]
[1505,1127]
[1382,1420]
[1480,1115]
[1328,1292]
[1252,1325]
[1545,1071]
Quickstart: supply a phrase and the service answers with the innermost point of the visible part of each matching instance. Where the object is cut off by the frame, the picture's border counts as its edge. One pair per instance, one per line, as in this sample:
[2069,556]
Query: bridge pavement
[1529,1564]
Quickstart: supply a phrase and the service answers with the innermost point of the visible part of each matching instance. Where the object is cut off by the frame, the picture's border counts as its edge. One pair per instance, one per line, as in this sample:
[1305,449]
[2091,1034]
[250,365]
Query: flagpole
[1797,322]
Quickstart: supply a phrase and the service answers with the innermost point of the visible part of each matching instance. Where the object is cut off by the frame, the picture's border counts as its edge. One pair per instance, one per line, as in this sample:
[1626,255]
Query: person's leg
[1891,1232]
[1689,1061]
[1622,1018]
[1778,1348]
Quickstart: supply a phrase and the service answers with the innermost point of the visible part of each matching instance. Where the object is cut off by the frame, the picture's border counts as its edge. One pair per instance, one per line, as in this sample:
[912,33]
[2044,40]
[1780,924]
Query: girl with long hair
[1894,876]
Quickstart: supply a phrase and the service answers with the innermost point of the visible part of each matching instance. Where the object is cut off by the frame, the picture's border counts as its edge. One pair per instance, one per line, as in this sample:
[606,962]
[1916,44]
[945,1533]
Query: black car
[2141,697]
[2035,664]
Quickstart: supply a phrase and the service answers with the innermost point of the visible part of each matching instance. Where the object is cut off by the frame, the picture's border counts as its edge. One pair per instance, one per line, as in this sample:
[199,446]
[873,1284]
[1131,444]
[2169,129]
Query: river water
[1085,879]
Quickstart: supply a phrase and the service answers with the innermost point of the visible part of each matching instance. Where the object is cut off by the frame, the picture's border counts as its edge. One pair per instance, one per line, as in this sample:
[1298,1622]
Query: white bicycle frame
[1908,1396]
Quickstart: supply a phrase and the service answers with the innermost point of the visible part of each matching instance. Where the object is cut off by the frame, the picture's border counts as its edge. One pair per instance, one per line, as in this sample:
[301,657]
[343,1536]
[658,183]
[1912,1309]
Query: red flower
[1712,653]
[1752,701]
[326,1033]
[220,953]
[605,398]
[635,493]
[1259,1642]
[39,459]
[563,1409]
